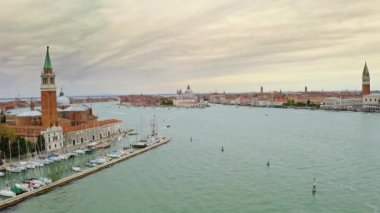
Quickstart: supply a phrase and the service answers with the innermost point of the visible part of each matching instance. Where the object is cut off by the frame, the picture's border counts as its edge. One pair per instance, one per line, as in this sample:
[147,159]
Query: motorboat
[2,174]
[37,163]
[7,193]
[80,151]
[37,181]
[91,164]
[32,184]
[114,155]
[100,160]
[139,144]
[13,169]
[77,168]
[23,186]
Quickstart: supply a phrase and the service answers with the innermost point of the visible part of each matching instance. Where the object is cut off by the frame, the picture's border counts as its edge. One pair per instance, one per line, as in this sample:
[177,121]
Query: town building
[371,102]
[335,103]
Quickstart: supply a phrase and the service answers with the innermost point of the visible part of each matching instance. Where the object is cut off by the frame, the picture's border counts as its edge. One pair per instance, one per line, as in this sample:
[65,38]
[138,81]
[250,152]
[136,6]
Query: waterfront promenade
[13,201]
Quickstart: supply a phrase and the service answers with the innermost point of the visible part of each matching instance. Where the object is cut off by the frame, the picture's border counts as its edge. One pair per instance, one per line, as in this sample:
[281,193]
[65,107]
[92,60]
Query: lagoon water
[340,149]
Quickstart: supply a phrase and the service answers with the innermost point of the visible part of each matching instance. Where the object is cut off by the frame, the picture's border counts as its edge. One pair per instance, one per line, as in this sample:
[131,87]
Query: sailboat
[12,168]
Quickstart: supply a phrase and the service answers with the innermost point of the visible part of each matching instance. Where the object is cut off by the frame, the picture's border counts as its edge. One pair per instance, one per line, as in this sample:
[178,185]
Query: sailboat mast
[18,147]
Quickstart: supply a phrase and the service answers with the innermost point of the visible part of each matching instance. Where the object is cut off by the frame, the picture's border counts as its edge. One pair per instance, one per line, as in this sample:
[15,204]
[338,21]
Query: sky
[159,46]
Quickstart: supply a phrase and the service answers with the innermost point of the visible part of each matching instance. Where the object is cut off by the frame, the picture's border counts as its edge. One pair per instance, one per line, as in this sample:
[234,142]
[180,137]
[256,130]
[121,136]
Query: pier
[13,201]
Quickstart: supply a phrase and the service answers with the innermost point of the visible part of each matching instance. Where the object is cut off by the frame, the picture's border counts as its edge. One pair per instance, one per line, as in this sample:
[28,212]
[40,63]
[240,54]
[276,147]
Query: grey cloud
[145,46]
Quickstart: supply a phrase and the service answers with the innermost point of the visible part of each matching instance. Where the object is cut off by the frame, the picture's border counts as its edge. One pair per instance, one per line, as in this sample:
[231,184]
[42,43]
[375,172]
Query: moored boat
[76,168]
[7,193]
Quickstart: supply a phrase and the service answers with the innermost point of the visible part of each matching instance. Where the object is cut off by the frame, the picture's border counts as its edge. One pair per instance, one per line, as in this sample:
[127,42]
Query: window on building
[49,147]
[81,140]
[93,137]
[52,80]
[55,145]
[74,142]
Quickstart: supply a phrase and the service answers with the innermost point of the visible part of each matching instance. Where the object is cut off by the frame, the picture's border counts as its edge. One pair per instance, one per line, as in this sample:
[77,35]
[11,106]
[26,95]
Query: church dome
[62,100]
[188,90]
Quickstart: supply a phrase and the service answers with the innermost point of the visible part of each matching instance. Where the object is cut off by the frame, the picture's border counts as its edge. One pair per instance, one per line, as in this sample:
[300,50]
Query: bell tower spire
[48,93]
[366,86]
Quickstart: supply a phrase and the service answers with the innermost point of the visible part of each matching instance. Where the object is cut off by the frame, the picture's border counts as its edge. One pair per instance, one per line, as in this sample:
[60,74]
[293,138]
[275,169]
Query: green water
[340,149]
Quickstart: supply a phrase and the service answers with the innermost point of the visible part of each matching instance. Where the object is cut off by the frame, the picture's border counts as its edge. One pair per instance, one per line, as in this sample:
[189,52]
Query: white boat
[45,180]
[80,151]
[119,138]
[13,169]
[37,163]
[92,144]
[7,193]
[30,166]
[2,174]
[25,187]
[100,160]
[38,182]
[77,168]
[113,155]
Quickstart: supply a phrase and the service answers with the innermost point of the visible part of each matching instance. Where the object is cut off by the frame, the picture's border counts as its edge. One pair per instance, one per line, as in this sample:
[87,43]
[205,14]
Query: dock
[44,189]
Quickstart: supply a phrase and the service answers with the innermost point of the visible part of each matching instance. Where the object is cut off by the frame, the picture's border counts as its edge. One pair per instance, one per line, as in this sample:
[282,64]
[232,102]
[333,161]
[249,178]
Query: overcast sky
[157,46]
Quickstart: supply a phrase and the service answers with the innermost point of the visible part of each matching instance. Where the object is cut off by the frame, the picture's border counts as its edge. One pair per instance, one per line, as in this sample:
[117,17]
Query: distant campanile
[366,88]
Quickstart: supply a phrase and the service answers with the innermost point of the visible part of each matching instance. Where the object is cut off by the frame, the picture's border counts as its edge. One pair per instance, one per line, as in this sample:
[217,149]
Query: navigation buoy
[222,149]
[314,190]
[268,164]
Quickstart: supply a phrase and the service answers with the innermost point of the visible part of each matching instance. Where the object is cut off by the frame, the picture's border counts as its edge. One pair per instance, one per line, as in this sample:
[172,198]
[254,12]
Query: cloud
[143,46]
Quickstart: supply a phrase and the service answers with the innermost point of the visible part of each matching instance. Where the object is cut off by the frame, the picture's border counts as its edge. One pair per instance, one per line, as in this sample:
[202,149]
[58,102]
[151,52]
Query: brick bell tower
[366,87]
[48,94]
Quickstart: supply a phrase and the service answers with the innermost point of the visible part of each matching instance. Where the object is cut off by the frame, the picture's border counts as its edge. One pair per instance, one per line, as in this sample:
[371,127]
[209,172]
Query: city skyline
[235,46]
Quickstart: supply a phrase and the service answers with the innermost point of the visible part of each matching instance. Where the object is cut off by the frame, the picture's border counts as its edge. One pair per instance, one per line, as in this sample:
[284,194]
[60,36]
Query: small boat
[37,163]
[100,160]
[88,150]
[139,145]
[13,169]
[7,193]
[77,168]
[119,138]
[168,126]
[80,151]
[44,180]
[114,155]
[37,181]
[2,174]
[32,184]
[91,164]
[23,186]
[133,133]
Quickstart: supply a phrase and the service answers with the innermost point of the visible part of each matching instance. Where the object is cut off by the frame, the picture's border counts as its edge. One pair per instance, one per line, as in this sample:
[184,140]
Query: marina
[81,173]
